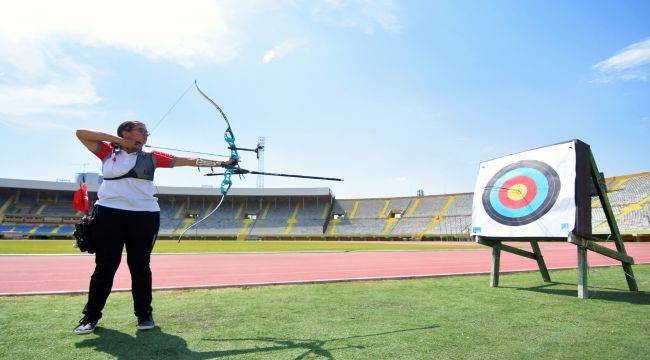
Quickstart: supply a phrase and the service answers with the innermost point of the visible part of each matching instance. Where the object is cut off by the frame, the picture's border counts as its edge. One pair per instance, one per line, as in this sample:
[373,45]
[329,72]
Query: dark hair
[127,126]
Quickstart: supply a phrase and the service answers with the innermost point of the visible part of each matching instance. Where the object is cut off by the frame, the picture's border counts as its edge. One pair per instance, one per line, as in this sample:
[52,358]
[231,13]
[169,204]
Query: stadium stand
[24,228]
[44,230]
[630,199]
[65,230]
[43,209]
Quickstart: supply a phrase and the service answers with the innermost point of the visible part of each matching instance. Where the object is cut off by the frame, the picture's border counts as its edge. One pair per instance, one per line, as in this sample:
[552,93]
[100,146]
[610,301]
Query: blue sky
[392,96]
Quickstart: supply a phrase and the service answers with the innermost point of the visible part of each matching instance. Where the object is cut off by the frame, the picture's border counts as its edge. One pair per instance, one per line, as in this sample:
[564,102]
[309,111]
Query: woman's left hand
[230,162]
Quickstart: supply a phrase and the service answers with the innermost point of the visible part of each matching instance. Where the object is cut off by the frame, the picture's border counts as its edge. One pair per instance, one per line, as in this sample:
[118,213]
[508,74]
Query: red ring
[531,192]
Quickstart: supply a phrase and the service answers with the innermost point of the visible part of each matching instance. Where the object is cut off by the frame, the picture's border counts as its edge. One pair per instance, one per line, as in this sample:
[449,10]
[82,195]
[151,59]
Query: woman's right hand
[128,143]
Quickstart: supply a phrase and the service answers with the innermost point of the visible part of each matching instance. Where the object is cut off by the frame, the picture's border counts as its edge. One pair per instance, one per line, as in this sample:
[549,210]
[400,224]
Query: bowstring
[165,116]
[171,108]
[223,196]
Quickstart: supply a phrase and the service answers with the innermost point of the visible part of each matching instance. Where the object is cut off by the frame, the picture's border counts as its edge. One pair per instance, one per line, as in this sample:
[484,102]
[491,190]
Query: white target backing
[529,194]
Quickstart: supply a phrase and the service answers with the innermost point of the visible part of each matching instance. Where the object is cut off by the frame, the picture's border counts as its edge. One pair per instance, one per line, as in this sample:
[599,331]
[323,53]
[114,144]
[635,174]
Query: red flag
[80,199]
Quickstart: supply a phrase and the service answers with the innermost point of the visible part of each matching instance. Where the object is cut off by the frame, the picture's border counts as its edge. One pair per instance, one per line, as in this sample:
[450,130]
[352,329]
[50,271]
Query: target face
[521,192]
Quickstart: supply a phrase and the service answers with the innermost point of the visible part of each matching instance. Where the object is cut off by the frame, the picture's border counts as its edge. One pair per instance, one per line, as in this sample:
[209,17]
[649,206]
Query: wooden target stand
[583,244]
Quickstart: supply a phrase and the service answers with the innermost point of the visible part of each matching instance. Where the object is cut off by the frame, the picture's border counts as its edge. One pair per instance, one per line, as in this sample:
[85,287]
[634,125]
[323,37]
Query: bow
[226,182]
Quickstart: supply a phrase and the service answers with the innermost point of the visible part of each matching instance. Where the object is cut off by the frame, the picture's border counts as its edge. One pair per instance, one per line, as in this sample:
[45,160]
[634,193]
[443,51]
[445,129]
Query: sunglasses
[142,131]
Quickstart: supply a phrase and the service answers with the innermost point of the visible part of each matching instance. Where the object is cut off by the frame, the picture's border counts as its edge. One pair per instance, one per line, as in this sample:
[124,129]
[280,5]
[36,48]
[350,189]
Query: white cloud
[40,79]
[628,64]
[185,32]
[488,149]
[25,100]
[281,50]
[32,123]
[361,14]
[40,75]
[45,69]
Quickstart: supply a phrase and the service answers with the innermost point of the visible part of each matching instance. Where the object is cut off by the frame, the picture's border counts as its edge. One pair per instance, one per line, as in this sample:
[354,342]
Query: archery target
[529,194]
[521,193]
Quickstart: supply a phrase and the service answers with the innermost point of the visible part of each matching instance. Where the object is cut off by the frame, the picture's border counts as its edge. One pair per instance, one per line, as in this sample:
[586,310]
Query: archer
[127,214]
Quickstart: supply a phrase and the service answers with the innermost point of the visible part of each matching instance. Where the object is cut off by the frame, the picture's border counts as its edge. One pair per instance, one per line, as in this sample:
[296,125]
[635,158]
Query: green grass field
[198,246]
[452,317]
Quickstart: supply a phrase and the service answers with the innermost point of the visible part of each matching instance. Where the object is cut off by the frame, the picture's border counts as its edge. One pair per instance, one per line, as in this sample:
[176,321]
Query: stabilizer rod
[256,150]
[244,171]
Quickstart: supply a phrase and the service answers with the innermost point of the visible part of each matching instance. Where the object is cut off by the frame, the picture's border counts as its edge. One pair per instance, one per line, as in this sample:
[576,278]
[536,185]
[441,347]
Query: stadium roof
[168,190]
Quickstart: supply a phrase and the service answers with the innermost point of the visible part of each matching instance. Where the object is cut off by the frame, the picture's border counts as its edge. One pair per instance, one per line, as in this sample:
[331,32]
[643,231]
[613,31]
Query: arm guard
[207,163]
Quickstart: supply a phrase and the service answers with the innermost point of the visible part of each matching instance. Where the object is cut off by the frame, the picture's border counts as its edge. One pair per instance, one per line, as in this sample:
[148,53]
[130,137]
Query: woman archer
[126,214]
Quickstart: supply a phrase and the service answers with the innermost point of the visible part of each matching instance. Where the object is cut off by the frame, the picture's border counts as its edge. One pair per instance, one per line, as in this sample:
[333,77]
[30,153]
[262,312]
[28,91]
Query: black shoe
[146,322]
[86,325]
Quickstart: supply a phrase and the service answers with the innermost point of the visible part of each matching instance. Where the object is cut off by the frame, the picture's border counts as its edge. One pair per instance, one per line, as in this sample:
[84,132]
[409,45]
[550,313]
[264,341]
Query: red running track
[43,274]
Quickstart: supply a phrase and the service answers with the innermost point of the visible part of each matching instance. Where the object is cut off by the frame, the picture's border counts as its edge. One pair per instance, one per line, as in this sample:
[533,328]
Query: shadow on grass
[157,344]
[314,347]
[148,344]
[595,292]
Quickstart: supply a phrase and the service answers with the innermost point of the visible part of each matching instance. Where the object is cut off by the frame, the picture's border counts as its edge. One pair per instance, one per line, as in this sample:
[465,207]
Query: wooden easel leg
[496,257]
[611,221]
[583,291]
[629,276]
[540,261]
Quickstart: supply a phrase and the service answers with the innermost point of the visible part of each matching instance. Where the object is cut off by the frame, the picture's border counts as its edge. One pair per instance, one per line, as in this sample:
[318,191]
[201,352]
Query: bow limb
[229,137]
[213,104]
[223,196]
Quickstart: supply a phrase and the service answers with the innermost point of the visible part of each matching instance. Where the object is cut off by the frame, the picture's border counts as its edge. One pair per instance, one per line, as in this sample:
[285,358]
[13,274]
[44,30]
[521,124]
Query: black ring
[552,195]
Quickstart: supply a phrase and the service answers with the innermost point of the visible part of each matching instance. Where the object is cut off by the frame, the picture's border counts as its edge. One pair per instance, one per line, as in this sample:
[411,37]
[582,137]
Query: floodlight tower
[261,143]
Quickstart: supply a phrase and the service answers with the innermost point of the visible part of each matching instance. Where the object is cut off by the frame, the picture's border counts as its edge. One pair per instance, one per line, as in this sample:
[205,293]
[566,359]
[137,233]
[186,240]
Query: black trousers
[114,228]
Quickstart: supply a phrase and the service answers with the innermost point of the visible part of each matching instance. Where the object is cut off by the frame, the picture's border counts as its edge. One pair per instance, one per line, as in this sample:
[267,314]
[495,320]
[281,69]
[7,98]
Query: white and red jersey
[130,193]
